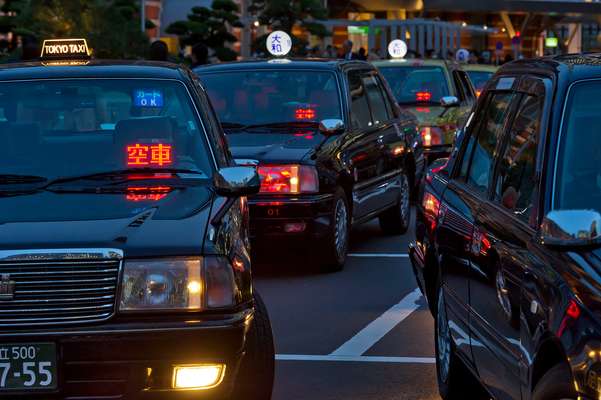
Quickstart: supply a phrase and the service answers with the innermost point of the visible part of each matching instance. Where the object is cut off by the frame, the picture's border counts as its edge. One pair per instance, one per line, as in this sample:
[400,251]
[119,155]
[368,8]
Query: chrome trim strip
[380,178]
[37,255]
[246,161]
[237,318]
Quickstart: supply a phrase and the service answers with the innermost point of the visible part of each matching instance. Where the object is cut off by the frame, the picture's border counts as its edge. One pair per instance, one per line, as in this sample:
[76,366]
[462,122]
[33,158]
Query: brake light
[431,135]
[431,206]
[423,96]
[305,114]
[288,179]
[478,93]
[144,193]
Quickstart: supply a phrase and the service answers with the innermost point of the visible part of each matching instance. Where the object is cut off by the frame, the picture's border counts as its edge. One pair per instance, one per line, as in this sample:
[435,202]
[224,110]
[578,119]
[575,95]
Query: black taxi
[124,251]
[332,149]
[508,246]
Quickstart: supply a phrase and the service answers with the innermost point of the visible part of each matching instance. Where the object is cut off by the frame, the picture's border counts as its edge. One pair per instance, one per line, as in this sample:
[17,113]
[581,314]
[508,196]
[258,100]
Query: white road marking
[378,328]
[368,359]
[382,255]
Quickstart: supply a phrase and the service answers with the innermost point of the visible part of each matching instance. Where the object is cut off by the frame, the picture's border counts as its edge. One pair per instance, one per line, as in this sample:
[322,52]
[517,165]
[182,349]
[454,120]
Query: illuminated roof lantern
[462,55]
[279,43]
[397,48]
[65,50]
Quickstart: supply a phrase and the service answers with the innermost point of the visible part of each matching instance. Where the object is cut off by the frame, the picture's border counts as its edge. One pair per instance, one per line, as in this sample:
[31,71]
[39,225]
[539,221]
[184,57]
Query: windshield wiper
[11,179]
[123,173]
[270,125]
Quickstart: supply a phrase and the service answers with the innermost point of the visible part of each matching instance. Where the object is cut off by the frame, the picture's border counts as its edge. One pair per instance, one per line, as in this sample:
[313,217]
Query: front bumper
[135,360]
[270,216]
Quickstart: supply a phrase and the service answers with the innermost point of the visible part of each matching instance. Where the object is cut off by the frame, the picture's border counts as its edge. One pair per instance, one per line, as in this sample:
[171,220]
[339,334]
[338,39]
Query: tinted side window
[387,97]
[489,131]
[516,183]
[376,99]
[360,114]
[466,85]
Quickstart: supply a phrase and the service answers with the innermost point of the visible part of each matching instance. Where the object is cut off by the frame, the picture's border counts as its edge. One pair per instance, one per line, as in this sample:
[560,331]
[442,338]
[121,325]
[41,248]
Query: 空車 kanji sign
[156,155]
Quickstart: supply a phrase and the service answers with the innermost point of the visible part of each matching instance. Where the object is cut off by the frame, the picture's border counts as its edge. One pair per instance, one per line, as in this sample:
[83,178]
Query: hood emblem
[7,288]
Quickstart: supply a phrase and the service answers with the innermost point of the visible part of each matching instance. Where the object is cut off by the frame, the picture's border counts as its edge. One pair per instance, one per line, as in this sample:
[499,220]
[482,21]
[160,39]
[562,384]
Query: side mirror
[329,127]
[569,228]
[237,181]
[449,101]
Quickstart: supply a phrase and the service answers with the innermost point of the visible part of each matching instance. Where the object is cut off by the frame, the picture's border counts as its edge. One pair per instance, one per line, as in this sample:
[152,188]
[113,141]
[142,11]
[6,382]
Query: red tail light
[288,179]
[423,96]
[431,206]
[431,135]
[572,314]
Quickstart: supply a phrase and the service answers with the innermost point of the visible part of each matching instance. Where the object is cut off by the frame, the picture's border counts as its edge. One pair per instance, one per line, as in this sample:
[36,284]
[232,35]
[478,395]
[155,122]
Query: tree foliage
[111,27]
[286,14]
[210,26]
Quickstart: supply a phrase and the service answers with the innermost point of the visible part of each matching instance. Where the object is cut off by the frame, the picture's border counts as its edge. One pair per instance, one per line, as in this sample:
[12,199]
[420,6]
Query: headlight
[186,284]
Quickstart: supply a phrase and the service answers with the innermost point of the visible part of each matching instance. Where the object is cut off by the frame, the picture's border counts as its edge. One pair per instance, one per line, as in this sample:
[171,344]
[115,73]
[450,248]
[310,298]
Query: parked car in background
[437,92]
[331,146]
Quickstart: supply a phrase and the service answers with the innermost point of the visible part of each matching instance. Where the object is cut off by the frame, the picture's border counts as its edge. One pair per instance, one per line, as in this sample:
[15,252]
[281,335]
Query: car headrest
[145,130]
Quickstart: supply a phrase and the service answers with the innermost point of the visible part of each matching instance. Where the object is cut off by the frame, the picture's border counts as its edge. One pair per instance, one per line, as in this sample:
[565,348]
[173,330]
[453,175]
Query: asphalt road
[363,333]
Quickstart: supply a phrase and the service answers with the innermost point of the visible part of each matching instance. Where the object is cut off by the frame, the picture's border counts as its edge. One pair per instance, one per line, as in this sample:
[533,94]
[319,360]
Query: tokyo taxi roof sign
[279,43]
[397,48]
[65,49]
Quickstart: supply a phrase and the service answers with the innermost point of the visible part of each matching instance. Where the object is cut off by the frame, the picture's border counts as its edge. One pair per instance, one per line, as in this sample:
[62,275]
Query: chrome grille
[59,287]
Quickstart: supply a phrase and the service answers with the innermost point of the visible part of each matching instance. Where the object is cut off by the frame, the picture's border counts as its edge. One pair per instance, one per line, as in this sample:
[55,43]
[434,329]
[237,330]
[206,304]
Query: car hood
[141,222]
[274,147]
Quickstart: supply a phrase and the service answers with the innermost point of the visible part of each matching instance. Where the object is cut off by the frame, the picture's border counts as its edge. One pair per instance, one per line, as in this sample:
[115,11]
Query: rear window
[479,79]
[417,84]
[273,96]
[578,179]
[56,128]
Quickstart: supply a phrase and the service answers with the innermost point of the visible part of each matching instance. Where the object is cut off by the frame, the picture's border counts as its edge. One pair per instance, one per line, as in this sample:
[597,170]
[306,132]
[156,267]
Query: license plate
[28,366]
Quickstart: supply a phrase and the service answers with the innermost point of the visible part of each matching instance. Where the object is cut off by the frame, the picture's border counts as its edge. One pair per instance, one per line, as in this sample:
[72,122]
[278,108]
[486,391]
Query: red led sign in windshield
[141,155]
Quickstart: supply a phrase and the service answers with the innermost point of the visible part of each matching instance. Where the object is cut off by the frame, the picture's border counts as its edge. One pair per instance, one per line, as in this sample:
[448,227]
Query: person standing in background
[199,55]
[347,51]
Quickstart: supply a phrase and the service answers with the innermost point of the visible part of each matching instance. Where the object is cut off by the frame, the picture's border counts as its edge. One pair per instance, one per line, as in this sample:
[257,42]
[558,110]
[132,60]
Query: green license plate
[28,366]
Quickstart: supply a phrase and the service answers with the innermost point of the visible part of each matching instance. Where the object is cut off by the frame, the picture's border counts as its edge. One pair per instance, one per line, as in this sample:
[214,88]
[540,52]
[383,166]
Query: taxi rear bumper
[135,360]
[288,218]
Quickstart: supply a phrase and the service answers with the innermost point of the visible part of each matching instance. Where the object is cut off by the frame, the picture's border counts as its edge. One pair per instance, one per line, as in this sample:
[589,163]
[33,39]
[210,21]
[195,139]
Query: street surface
[364,333]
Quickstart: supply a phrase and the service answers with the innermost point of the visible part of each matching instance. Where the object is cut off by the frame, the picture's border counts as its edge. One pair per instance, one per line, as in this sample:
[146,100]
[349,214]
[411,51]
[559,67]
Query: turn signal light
[288,179]
[198,377]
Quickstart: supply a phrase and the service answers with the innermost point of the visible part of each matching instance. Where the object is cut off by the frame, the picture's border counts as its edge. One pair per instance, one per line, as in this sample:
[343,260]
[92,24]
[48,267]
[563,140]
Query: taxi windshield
[479,78]
[416,84]
[59,128]
[578,177]
[263,97]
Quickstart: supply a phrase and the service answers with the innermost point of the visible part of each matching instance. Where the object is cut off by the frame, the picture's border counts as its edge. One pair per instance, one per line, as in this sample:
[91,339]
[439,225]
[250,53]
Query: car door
[361,147]
[389,143]
[500,257]
[460,207]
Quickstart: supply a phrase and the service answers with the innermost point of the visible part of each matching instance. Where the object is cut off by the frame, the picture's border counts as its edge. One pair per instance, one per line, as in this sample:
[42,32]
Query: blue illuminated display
[148,98]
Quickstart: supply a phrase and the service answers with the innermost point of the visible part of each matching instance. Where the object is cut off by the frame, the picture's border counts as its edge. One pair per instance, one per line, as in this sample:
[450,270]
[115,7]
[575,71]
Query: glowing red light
[518,34]
[423,96]
[279,178]
[573,310]
[305,114]
[424,110]
[140,155]
[144,193]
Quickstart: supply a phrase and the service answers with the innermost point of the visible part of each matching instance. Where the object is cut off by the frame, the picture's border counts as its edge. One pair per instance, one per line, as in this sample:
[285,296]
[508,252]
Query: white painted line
[368,359]
[382,255]
[378,328]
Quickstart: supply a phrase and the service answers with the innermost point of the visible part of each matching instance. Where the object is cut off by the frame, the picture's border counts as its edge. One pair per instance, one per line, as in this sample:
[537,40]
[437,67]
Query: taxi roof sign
[397,48]
[65,49]
[279,43]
